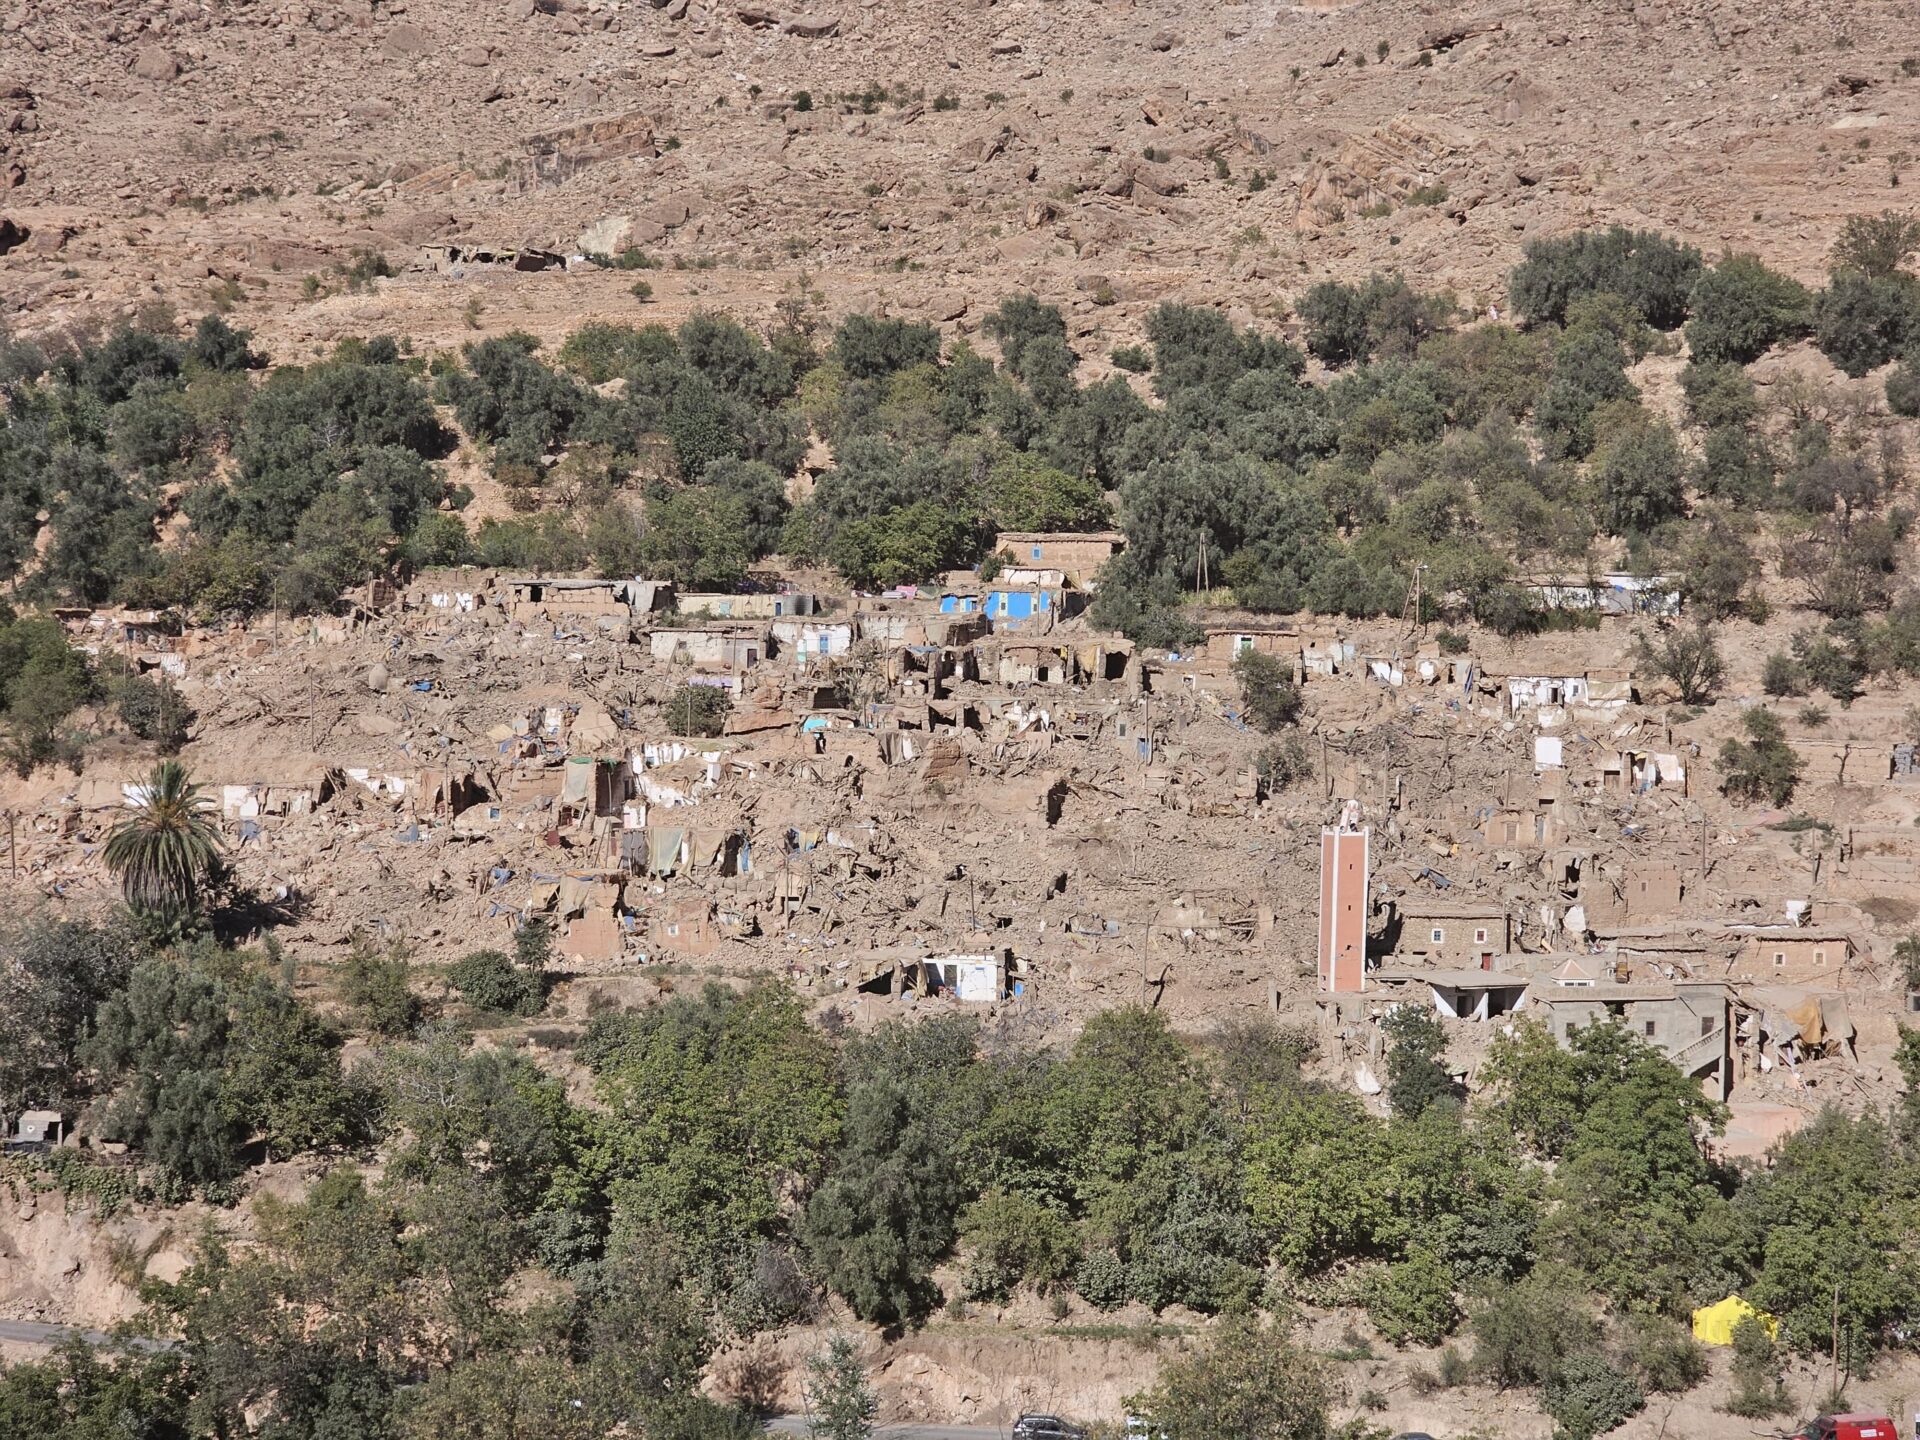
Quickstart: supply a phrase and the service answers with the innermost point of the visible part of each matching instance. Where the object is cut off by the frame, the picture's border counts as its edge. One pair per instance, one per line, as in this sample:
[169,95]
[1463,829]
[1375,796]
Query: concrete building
[1685,1020]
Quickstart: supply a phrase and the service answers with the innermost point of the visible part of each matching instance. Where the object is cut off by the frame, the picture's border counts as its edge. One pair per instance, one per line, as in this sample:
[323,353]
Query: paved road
[32,1332]
[797,1425]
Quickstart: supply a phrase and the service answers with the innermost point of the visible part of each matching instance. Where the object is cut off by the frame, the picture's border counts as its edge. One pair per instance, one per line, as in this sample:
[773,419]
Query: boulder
[811,27]
[608,235]
[407,41]
[155,64]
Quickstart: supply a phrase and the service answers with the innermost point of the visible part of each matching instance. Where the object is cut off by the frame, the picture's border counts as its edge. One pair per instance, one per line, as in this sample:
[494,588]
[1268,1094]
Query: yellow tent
[1714,1324]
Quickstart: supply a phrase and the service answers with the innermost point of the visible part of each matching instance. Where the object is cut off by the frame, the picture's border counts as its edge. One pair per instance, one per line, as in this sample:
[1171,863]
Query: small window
[1480,936]
[1707,1026]
[1819,957]
[1036,552]
[1649,1026]
[1439,935]
[1779,959]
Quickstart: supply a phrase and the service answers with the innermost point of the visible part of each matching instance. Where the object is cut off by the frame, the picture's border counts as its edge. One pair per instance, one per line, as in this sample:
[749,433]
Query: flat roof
[1457,979]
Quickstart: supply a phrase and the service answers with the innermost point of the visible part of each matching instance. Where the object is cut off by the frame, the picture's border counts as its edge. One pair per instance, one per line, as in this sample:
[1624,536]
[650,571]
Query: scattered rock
[1163,40]
[657,50]
[1004,47]
[12,235]
[478,56]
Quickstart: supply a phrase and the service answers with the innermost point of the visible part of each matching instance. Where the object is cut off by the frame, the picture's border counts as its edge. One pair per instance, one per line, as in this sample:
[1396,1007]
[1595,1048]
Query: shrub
[1135,359]
[153,710]
[1101,1279]
[1284,763]
[1876,245]
[1757,1387]
[1651,273]
[1741,309]
[1523,1332]
[379,985]
[1009,1240]
[1662,1354]
[1761,767]
[1266,685]
[1718,393]
[1412,1300]
[699,710]
[488,980]
[1828,665]
[1860,322]
[1781,675]
[1642,478]
[1588,1397]
[1415,1077]
[1903,388]
[1689,658]
[1248,1382]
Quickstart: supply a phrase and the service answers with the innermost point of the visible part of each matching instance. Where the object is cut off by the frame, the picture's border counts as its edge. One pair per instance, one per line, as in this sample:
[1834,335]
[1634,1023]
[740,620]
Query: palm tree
[164,851]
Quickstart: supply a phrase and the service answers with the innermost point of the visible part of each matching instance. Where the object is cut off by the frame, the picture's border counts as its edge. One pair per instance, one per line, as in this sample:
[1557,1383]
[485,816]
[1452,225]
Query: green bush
[698,710]
[1861,322]
[489,980]
[1781,675]
[1010,1240]
[1271,698]
[1524,1332]
[1761,767]
[1662,1354]
[154,710]
[1741,309]
[379,985]
[1651,273]
[1758,1391]
[1411,1301]
[1588,1397]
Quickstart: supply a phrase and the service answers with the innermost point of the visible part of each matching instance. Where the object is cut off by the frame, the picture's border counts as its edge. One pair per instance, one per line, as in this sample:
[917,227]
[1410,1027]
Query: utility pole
[1833,1386]
[13,867]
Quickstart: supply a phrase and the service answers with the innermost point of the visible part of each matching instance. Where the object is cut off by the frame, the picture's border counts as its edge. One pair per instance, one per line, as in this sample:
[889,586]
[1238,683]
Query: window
[1707,1027]
[1036,552]
[1779,959]
[1439,935]
[1243,644]
[1480,936]
[1819,957]
[1649,1026]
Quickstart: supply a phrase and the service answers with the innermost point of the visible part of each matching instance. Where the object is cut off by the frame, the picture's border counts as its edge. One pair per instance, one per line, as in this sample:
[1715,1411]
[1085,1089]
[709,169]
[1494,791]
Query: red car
[1850,1427]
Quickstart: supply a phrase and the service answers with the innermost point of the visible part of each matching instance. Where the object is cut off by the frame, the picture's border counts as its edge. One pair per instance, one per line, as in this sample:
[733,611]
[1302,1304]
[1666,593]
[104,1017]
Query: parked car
[1046,1427]
[1854,1426]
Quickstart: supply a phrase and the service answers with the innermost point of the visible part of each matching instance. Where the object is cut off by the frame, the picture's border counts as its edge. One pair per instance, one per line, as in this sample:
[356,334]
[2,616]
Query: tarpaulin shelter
[1714,1324]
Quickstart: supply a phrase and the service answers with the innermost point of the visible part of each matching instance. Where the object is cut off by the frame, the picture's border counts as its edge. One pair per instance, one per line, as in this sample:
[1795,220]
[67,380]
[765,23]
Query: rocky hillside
[242,152]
